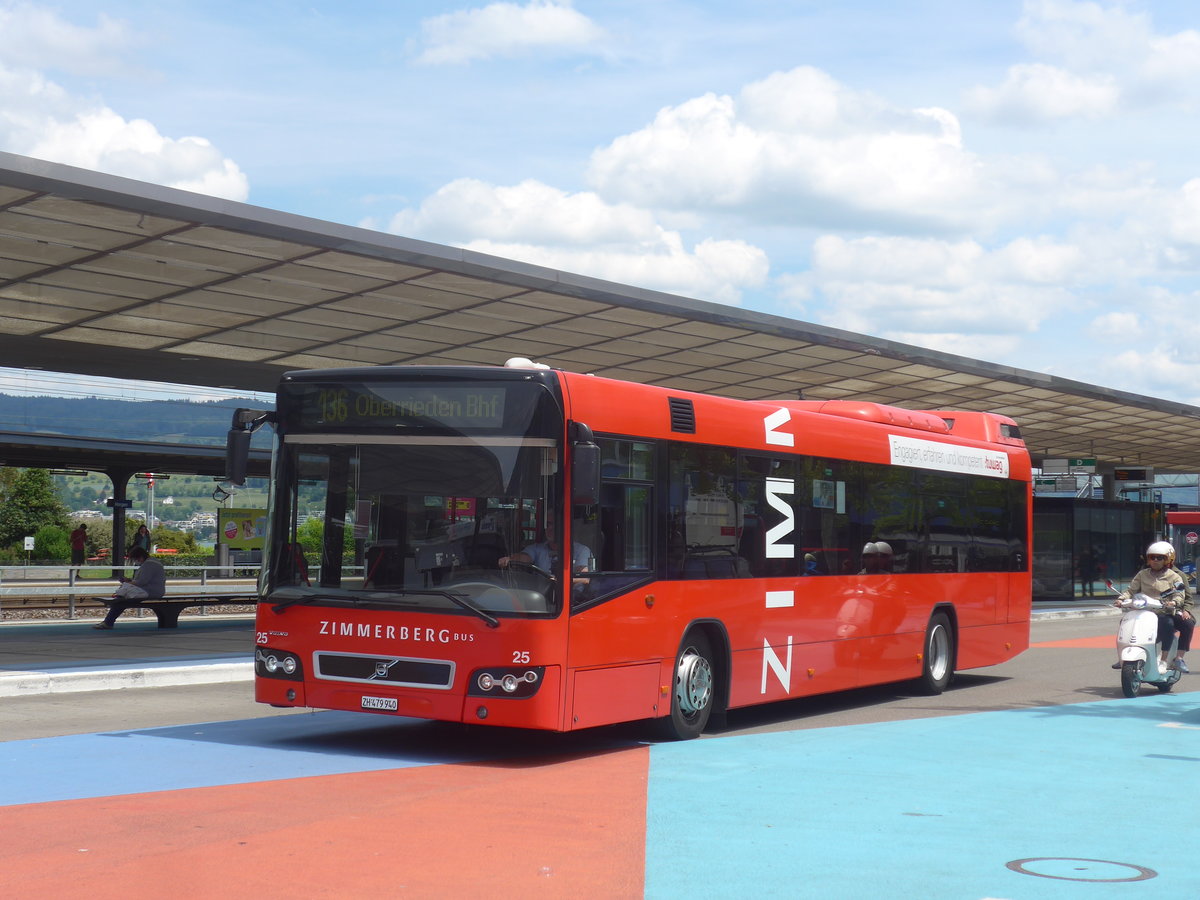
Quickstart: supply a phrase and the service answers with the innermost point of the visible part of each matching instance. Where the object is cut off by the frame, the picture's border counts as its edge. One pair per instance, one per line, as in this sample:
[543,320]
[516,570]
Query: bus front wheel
[937,667]
[693,692]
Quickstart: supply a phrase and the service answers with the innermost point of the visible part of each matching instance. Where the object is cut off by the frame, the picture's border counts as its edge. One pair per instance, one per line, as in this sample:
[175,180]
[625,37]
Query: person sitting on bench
[149,582]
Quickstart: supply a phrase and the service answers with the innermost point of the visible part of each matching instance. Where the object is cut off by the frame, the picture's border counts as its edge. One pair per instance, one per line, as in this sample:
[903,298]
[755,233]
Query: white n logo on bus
[771,660]
[775,487]
[772,422]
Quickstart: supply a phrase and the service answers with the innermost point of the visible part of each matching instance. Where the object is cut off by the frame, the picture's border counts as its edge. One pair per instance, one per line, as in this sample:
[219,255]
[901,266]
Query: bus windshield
[413,494]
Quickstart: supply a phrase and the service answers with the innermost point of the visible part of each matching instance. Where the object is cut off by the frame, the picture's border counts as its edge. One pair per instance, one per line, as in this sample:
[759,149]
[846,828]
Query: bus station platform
[68,655]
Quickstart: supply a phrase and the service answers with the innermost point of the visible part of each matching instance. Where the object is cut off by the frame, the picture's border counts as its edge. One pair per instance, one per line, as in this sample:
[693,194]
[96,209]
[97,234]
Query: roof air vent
[683,415]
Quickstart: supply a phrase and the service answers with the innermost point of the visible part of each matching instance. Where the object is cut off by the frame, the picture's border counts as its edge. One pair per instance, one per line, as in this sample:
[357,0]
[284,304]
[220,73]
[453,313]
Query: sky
[1016,182]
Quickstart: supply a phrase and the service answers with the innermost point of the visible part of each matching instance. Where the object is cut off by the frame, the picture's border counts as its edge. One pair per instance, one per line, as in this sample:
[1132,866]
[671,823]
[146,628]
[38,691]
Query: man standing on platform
[79,545]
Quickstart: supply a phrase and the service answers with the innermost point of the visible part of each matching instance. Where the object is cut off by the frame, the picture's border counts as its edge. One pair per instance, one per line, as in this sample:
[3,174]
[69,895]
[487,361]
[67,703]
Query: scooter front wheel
[1131,679]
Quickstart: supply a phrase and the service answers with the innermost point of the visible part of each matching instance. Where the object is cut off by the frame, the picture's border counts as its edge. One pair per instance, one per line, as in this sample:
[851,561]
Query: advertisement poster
[241,529]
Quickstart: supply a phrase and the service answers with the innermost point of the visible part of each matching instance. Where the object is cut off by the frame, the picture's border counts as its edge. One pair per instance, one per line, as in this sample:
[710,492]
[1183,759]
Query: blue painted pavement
[937,808]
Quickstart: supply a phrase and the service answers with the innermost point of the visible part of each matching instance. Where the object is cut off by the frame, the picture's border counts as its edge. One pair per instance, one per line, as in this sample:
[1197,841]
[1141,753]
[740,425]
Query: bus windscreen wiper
[457,598]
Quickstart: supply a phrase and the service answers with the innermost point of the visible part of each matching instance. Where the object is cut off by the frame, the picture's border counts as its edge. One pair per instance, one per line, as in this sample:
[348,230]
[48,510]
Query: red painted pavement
[493,829]
[1090,643]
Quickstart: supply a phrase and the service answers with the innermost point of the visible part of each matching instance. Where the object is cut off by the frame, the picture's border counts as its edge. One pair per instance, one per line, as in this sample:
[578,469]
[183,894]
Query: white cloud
[581,233]
[1105,57]
[801,149]
[1183,220]
[40,119]
[1039,92]
[507,30]
[1161,358]
[527,212]
[1085,35]
[939,293]
[36,37]
[1120,325]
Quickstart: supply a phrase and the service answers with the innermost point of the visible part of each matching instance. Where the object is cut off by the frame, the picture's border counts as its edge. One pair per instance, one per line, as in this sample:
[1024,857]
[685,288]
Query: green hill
[172,421]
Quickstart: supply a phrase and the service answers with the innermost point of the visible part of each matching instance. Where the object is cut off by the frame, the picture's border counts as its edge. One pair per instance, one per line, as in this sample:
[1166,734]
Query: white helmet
[1162,548]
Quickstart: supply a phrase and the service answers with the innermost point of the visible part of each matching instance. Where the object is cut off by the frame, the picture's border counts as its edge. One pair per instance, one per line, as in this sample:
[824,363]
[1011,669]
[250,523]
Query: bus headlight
[508,681]
[277,664]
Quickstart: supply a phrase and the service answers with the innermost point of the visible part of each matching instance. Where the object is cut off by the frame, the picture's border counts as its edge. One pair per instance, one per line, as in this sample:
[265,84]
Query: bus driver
[545,553]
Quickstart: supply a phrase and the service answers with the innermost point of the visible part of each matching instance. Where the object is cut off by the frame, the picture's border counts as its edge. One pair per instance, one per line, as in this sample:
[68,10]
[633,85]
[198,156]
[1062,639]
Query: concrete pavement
[43,657]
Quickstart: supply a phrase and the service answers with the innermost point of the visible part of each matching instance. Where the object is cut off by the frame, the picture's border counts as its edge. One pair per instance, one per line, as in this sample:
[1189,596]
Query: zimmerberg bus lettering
[394,632]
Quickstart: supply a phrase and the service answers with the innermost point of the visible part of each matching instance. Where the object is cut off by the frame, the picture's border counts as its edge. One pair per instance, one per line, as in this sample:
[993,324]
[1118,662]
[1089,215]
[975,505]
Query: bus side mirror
[585,466]
[237,442]
[237,455]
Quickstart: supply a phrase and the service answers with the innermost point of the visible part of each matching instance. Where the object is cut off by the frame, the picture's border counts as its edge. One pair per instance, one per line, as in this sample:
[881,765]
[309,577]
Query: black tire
[937,664]
[1164,687]
[693,692]
[1131,679]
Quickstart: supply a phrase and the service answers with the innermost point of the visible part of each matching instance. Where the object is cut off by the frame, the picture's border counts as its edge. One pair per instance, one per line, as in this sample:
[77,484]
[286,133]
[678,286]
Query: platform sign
[114,503]
[1084,465]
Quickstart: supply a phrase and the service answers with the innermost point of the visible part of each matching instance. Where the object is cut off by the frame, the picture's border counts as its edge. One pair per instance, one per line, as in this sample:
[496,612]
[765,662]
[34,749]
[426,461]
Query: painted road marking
[563,827]
[1101,642]
[365,805]
[931,808]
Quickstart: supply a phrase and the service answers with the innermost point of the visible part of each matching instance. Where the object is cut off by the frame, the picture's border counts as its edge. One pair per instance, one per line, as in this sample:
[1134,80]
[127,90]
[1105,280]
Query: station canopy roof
[101,275]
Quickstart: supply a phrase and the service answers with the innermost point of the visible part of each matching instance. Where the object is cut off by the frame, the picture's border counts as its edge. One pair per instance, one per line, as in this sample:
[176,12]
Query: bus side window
[619,531]
[705,513]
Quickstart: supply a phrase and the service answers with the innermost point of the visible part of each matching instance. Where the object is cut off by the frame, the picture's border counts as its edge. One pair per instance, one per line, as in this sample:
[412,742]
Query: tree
[31,502]
[183,541]
[8,478]
[51,543]
[311,535]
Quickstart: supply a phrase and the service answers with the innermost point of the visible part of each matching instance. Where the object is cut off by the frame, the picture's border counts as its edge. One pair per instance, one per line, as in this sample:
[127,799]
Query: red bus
[723,552]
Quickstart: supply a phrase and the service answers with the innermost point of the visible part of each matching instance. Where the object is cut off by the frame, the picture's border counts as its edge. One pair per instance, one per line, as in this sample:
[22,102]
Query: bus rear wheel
[937,667]
[694,691]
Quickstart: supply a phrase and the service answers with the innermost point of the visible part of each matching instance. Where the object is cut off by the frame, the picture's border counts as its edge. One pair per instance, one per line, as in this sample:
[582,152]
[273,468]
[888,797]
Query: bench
[167,609]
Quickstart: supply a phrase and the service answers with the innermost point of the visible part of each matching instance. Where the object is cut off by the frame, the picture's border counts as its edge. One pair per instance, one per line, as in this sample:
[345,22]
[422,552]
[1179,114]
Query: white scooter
[1137,644]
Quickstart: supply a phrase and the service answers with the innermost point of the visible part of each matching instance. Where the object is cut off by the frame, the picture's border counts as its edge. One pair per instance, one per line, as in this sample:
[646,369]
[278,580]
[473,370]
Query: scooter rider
[1160,577]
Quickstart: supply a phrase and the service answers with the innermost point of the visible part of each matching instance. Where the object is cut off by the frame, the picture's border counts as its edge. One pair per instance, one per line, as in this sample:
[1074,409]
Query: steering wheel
[530,567]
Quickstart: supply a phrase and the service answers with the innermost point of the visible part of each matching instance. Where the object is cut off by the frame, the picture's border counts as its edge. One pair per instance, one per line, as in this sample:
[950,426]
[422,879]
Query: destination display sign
[387,405]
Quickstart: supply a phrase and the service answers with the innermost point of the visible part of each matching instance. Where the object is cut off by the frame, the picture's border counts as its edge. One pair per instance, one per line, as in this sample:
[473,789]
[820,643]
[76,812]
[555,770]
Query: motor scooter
[1138,647]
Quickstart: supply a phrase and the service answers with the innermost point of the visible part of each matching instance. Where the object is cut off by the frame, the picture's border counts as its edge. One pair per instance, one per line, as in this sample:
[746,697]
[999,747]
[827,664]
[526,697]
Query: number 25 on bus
[530,547]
